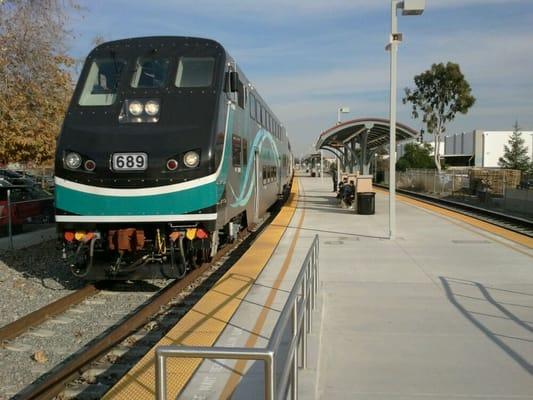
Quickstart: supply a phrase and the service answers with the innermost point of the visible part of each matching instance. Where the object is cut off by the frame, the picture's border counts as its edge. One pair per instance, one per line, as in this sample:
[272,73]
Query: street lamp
[341,110]
[409,7]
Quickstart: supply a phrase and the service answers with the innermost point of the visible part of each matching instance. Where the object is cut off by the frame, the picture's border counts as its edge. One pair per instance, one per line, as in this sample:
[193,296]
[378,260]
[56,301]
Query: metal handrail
[298,309]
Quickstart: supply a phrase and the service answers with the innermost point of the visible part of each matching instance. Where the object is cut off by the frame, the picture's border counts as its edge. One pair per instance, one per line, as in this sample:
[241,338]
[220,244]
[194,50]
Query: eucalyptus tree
[439,94]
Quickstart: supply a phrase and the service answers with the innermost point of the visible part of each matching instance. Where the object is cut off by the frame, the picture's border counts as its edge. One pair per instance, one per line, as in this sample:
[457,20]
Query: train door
[258,184]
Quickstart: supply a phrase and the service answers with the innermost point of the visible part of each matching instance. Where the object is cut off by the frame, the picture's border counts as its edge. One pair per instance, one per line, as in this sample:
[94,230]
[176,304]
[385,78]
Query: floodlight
[412,7]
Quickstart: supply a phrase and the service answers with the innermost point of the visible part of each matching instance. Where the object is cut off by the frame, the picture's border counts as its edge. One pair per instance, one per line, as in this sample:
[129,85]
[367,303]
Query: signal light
[69,236]
[89,237]
[201,234]
[172,164]
[79,235]
[191,233]
[89,165]
[175,236]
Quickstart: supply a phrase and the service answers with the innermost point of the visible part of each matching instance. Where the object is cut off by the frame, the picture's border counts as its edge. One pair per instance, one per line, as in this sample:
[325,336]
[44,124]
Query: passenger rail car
[166,151]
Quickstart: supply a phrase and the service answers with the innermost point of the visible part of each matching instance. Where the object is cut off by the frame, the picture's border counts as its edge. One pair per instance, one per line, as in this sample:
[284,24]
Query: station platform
[443,311]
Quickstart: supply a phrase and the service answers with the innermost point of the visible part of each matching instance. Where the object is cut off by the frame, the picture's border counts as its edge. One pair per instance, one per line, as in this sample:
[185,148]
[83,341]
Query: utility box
[364,183]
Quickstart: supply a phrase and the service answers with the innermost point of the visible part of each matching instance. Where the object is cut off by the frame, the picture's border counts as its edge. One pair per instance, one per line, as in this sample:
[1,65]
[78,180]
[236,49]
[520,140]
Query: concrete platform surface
[444,311]
[28,239]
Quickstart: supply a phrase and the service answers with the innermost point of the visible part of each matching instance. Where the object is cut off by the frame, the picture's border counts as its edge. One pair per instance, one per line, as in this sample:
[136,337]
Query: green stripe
[182,202]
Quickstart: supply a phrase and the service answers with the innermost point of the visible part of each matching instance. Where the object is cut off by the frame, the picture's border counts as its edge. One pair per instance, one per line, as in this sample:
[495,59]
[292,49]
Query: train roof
[159,40]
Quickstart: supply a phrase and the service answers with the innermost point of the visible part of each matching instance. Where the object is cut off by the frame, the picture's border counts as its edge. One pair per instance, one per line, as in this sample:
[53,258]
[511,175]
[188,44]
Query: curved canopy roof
[378,133]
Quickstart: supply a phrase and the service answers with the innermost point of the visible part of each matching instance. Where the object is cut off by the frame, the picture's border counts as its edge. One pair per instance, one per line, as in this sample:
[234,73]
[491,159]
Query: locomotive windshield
[105,73]
[150,72]
[100,88]
[195,71]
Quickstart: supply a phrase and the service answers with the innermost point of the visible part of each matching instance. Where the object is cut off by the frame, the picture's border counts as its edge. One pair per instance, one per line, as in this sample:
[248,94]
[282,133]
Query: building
[475,149]
[480,148]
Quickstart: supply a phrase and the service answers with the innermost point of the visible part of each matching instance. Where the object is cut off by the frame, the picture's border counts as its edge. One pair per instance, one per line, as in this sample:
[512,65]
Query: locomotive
[166,152]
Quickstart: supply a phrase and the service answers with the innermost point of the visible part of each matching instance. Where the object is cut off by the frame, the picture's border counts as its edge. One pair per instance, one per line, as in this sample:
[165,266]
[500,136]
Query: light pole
[409,7]
[340,110]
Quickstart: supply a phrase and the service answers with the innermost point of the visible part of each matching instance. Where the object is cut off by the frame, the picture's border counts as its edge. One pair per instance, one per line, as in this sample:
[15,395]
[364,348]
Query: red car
[28,205]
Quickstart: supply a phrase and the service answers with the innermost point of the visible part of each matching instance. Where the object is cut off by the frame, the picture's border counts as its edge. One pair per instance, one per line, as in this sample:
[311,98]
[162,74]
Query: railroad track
[506,221]
[90,372]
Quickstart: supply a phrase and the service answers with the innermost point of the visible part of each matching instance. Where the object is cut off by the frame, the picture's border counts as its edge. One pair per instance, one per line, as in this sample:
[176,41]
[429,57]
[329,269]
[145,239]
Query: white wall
[494,142]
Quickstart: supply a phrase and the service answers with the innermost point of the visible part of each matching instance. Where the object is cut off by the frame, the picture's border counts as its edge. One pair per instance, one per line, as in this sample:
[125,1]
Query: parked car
[29,204]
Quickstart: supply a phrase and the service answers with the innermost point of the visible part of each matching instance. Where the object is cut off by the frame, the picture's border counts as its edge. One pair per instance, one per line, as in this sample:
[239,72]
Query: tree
[515,153]
[441,92]
[415,156]
[35,80]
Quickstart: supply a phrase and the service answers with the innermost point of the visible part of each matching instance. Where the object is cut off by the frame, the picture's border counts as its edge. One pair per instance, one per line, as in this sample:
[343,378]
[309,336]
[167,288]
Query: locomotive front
[138,162]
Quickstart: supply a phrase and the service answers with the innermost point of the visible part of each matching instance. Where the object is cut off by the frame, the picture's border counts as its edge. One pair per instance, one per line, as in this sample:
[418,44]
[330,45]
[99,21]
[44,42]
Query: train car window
[264,174]
[252,106]
[244,152]
[240,94]
[100,87]
[195,71]
[150,72]
[236,150]
[257,111]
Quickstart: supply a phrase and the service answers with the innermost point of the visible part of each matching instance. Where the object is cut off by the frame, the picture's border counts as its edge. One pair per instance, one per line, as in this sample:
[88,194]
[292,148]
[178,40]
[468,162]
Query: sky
[309,57]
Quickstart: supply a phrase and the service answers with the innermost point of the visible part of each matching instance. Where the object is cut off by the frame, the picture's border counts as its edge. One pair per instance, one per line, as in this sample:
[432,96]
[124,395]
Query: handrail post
[294,380]
[317,263]
[312,281]
[304,336]
[160,373]
[9,220]
[269,377]
[309,297]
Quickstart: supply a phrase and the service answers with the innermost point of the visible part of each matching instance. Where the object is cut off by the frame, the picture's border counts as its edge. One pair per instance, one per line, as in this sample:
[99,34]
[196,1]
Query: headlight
[191,159]
[135,108]
[73,160]
[151,108]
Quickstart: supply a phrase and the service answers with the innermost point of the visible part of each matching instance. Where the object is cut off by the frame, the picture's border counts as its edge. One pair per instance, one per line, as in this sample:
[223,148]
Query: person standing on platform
[333,172]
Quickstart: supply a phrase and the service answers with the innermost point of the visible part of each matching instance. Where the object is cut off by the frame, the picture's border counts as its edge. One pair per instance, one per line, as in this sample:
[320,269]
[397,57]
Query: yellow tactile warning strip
[239,368]
[502,232]
[204,323]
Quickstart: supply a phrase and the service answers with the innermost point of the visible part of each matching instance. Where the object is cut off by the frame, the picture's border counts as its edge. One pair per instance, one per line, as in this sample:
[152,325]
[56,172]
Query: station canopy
[355,142]
[377,130]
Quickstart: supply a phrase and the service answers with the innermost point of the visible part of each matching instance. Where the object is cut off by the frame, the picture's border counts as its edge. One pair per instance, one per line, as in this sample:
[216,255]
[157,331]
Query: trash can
[366,203]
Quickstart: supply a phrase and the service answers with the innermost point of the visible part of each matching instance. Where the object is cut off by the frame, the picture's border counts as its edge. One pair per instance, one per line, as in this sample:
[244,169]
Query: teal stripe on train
[182,202]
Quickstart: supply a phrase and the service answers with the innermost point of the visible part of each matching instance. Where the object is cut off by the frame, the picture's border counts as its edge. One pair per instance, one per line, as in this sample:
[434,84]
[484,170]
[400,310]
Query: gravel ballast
[31,279]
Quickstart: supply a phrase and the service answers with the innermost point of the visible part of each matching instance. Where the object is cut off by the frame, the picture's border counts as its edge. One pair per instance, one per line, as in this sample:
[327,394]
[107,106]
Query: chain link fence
[495,189]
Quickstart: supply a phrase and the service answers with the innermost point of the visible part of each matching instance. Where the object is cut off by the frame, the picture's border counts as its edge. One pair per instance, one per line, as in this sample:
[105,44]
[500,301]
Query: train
[167,151]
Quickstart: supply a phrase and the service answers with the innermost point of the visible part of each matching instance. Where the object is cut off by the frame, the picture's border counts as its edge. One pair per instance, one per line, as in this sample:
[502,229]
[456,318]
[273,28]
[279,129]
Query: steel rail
[21,325]
[505,221]
[55,381]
